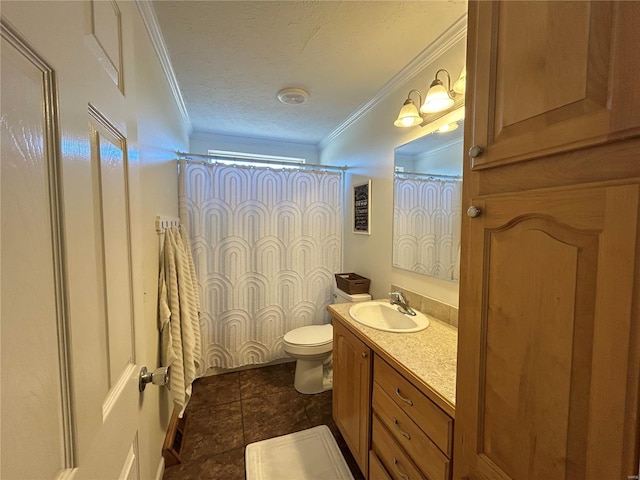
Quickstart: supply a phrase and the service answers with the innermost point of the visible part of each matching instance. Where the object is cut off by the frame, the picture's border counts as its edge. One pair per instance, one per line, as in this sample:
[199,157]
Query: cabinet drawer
[433,421]
[394,460]
[376,469]
[425,454]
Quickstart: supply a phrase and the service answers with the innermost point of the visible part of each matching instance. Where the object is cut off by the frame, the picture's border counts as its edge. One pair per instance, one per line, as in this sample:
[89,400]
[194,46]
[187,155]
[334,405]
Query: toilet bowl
[312,347]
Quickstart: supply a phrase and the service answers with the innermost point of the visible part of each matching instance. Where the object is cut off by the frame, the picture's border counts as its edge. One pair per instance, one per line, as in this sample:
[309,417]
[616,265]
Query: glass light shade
[438,99]
[408,116]
[461,84]
[449,127]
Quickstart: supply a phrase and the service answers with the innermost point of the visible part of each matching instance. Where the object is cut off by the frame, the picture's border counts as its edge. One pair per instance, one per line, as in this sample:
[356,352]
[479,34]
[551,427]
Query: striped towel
[179,316]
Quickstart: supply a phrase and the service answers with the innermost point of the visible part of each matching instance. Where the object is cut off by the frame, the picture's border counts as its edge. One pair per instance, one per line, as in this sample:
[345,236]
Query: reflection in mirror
[428,204]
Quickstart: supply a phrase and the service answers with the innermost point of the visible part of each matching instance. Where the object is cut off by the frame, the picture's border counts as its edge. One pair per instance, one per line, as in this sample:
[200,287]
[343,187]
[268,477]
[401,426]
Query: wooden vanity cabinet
[549,327]
[352,365]
[393,429]
[411,435]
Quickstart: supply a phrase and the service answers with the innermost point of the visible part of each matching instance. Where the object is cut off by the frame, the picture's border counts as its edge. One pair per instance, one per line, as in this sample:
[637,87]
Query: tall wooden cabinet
[552,77]
[352,367]
[549,328]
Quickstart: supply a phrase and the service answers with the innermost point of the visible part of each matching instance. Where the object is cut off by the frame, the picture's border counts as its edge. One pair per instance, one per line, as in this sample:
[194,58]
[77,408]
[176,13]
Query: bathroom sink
[384,316]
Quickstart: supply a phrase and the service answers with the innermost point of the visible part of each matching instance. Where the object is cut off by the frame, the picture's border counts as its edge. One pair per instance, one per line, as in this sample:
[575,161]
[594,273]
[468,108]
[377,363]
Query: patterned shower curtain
[426,234]
[266,244]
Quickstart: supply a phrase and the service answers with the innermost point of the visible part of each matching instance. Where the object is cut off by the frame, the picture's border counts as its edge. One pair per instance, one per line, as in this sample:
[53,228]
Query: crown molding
[433,151]
[150,20]
[438,47]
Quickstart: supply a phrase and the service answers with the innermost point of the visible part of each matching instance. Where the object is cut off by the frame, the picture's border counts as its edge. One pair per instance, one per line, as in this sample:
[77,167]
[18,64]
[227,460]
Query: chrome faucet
[398,298]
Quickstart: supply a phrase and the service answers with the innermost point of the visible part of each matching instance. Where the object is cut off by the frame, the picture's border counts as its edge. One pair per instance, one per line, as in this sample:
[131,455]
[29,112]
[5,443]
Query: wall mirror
[427,205]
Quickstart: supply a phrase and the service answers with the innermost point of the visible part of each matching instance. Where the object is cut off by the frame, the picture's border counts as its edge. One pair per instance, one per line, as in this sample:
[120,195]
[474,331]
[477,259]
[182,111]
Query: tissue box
[352,283]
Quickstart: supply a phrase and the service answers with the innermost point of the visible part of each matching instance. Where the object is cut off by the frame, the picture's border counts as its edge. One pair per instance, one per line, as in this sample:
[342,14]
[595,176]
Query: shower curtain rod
[430,175]
[187,156]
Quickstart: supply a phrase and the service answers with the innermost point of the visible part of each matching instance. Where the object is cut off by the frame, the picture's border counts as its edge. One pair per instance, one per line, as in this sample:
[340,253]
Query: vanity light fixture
[438,99]
[409,115]
[448,127]
[461,84]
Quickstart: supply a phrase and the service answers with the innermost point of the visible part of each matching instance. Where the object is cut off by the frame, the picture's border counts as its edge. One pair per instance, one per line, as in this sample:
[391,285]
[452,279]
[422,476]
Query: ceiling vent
[293,96]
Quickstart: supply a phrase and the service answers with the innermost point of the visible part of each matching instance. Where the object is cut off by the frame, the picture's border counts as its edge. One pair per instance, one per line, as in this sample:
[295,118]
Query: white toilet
[312,348]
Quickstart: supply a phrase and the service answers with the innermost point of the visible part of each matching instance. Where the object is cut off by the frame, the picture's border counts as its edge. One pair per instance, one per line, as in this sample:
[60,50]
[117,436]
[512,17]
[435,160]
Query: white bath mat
[311,454]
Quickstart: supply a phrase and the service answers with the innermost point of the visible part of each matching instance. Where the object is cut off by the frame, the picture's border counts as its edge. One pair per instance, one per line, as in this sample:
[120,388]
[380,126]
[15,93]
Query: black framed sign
[362,208]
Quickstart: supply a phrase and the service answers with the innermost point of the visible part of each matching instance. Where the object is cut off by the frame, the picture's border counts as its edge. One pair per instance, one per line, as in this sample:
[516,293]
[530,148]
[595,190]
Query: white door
[70,297]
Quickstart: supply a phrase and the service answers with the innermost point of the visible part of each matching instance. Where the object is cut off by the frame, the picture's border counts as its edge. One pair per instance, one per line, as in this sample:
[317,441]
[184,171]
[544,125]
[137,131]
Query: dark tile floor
[227,412]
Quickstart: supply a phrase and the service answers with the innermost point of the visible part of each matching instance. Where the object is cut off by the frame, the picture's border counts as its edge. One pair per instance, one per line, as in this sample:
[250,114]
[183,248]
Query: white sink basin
[384,316]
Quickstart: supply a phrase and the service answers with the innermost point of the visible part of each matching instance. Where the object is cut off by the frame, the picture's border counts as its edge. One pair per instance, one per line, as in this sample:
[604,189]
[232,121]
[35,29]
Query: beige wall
[367,147]
[202,142]
[161,133]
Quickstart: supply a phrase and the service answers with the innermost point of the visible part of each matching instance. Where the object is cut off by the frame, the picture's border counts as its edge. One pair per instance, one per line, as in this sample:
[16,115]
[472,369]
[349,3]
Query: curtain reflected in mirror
[428,204]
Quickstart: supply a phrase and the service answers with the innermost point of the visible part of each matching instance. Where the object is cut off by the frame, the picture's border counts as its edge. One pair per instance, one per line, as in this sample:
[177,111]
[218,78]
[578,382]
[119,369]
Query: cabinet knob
[365,354]
[475,151]
[474,211]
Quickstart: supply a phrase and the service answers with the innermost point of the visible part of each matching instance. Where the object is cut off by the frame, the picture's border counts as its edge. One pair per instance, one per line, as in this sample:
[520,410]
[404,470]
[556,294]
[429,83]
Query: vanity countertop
[429,356]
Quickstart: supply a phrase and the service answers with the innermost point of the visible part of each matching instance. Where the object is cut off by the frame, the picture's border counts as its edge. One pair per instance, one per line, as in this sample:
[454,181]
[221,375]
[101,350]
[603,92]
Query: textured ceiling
[232,57]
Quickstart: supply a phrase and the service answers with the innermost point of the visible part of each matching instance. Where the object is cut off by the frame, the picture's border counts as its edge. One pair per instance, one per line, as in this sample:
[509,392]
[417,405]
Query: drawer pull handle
[404,399]
[395,467]
[399,430]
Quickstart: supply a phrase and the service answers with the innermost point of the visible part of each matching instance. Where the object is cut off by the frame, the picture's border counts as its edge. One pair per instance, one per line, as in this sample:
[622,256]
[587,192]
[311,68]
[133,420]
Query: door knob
[364,355]
[160,376]
[474,211]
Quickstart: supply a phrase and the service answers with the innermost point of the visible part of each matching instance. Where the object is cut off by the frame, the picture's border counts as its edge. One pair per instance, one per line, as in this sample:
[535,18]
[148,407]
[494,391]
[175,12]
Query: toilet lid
[311,335]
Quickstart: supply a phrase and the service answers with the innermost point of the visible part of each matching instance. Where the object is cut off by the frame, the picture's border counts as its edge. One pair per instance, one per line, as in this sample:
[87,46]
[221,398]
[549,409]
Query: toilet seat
[309,342]
[311,336]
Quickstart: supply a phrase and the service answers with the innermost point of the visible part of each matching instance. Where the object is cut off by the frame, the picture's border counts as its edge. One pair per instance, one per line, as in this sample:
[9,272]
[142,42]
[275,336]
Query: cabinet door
[547,77]
[352,392]
[544,358]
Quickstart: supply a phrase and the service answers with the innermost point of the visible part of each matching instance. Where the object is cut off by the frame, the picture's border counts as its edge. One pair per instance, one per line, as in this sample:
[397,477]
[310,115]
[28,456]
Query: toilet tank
[340,296]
